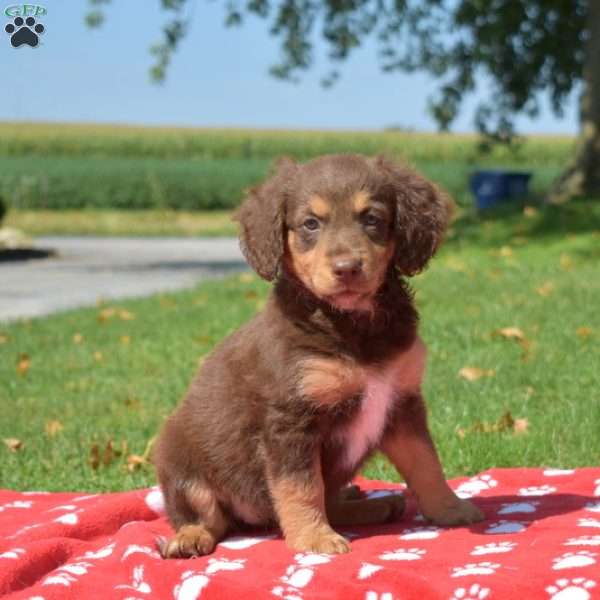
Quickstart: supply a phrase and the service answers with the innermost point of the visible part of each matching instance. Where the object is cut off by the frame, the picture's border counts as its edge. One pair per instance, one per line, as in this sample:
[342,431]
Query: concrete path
[85,269]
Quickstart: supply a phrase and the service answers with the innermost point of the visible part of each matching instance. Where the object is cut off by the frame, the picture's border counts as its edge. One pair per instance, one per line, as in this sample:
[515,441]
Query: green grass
[539,273]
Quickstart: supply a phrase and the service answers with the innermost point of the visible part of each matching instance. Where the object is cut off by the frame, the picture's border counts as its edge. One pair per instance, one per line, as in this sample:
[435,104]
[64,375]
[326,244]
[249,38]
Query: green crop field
[57,166]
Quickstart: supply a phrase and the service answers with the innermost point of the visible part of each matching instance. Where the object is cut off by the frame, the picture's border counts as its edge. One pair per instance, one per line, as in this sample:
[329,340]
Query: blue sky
[218,78]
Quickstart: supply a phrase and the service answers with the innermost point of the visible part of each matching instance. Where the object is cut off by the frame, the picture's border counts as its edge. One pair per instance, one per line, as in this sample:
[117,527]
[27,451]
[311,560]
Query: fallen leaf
[23,364]
[566,262]
[530,212]
[250,295]
[77,338]
[506,251]
[126,315]
[105,314]
[474,373]
[13,444]
[513,333]
[546,288]
[53,427]
[520,426]
[3,339]
[246,277]
[98,357]
[94,457]
[125,340]
[134,461]
[584,332]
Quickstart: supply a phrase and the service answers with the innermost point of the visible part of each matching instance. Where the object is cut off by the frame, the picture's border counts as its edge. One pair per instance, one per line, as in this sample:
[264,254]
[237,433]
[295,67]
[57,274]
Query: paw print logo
[24,32]
[493,548]
[475,592]
[567,589]
[475,486]
[537,490]
[403,554]
[571,560]
[482,568]
[588,522]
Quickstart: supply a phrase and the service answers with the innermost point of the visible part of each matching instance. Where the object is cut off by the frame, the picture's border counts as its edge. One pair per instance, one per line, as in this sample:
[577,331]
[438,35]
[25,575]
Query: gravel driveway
[85,269]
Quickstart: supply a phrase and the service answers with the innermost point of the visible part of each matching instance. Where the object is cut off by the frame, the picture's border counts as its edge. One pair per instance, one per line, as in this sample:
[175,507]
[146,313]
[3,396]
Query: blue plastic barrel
[494,186]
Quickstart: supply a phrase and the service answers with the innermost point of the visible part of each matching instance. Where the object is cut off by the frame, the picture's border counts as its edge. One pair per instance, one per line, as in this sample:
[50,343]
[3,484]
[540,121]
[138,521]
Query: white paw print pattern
[510,508]
[299,575]
[482,568]
[16,504]
[571,560]
[584,540]
[571,589]
[138,584]
[244,542]
[597,490]
[403,554]
[537,490]
[502,527]
[222,564]
[368,569]
[101,552]
[421,533]
[371,595]
[475,486]
[593,506]
[475,592]
[588,522]
[493,548]
[67,574]
[13,554]
[137,549]
[558,472]
[190,585]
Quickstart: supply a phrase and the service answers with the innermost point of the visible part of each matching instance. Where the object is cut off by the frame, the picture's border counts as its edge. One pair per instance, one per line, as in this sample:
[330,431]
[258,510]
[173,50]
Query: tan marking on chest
[327,381]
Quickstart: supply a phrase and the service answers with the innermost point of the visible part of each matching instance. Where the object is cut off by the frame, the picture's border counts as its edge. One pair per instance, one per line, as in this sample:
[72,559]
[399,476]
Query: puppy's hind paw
[189,541]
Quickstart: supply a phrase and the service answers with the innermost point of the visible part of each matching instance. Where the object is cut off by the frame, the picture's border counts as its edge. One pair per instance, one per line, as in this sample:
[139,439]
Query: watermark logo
[24,29]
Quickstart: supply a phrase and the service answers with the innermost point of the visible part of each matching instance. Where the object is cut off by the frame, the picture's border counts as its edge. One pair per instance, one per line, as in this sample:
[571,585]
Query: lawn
[84,392]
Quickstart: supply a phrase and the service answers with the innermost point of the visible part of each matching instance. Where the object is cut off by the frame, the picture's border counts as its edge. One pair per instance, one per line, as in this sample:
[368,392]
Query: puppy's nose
[347,269]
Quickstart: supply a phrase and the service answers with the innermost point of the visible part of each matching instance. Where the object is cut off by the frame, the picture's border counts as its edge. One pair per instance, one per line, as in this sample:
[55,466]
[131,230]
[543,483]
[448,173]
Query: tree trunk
[582,177]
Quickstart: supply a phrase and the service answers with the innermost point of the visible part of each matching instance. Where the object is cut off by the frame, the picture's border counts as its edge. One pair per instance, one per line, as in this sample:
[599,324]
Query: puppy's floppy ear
[262,217]
[422,215]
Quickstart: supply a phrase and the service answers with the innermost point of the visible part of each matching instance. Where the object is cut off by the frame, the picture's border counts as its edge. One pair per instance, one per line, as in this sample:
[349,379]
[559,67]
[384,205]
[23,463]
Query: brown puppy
[285,411]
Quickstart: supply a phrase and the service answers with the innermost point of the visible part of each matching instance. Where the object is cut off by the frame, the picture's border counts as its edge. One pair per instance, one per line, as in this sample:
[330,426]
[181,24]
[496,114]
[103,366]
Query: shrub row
[22,139]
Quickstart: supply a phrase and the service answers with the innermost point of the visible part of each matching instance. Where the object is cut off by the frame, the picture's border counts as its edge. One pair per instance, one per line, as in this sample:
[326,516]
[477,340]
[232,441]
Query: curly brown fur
[285,410]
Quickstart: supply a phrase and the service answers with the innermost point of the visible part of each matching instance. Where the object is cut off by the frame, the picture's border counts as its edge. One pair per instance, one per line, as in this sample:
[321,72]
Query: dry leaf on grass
[125,340]
[135,461]
[546,288]
[506,251]
[584,332]
[511,333]
[106,455]
[13,444]
[126,315]
[505,424]
[23,364]
[566,262]
[3,339]
[98,356]
[77,338]
[53,427]
[475,373]
[246,277]
[530,212]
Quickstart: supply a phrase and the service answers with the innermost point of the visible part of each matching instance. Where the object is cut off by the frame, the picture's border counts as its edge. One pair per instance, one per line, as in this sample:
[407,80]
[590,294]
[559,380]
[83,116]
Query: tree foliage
[517,48]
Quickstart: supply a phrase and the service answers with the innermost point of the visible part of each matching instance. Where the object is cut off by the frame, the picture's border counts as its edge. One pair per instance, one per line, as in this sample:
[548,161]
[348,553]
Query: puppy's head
[338,223]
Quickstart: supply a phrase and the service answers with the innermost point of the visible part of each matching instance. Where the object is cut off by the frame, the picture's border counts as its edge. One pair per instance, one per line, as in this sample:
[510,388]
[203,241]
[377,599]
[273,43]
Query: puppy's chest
[360,417]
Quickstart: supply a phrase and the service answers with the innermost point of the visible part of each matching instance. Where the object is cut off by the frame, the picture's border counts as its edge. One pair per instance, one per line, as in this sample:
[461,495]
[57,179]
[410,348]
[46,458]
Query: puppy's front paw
[460,512]
[190,540]
[322,540]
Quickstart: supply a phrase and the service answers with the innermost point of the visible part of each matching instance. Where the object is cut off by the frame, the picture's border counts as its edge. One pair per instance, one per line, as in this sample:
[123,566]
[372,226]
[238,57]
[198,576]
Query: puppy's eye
[311,224]
[371,220]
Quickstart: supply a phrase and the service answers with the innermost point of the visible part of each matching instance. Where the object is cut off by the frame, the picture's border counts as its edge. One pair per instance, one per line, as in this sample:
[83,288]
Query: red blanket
[541,539]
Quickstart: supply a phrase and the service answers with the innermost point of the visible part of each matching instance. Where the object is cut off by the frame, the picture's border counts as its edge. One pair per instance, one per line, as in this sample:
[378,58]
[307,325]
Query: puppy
[285,411]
